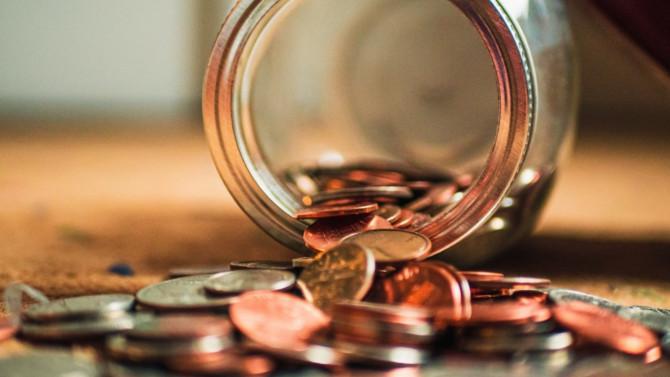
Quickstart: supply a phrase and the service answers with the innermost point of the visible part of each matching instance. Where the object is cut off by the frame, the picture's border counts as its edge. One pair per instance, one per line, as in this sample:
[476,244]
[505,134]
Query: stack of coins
[80,317]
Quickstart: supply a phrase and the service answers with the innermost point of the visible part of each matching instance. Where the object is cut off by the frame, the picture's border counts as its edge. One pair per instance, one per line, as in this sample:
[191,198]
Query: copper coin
[423,285]
[466,296]
[438,195]
[604,327]
[344,272]
[327,233]
[358,192]
[224,363]
[390,212]
[330,211]
[392,246]
[530,296]
[419,221]
[7,328]
[276,319]
[375,178]
[381,312]
[498,312]
[405,219]
[181,326]
[509,283]
[482,275]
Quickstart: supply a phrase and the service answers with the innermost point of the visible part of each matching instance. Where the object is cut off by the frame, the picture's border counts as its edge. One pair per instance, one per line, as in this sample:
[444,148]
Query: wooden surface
[73,203]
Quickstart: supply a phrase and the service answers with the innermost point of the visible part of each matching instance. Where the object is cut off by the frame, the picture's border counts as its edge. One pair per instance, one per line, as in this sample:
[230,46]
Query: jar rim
[253,186]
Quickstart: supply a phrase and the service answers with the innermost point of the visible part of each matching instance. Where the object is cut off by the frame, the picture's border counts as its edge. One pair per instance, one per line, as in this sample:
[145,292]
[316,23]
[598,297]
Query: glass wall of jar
[480,92]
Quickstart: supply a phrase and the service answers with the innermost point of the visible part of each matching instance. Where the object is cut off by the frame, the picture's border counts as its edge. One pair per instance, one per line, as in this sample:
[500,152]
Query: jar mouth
[241,161]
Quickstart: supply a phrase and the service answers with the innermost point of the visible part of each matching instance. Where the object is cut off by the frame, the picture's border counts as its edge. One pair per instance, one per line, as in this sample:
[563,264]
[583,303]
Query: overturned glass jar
[476,93]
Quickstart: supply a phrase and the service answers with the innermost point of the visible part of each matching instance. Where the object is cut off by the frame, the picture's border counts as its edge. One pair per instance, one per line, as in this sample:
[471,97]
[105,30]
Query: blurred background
[103,159]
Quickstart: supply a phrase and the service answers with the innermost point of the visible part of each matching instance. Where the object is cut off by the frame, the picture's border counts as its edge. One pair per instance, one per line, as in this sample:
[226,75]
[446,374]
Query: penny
[182,293]
[560,296]
[404,220]
[423,285]
[250,280]
[225,363]
[482,275]
[466,296]
[181,326]
[605,327]
[509,283]
[79,307]
[530,296]
[277,319]
[499,312]
[392,246]
[387,356]
[7,328]
[512,344]
[324,234]
[195,271]
[262,265]
[437,195]
[311,354]
[70,330]
[358,192]
[330,211]
[390,212]
[49,363]
[419,221]
[345,272]
[375,178]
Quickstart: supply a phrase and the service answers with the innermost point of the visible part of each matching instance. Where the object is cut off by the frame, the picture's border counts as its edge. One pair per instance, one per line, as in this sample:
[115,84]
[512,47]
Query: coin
[511,329]
[605,327]
[499,312]
[277,320]
[262,265]
[404,220]
[7,328]
[358,192]
[250,280]
[386,356]
[81,329]
[419,221]
[422,284]
[181,326]
[302,262]
[530,296]
[48,363]
[390,212]
[195,271]
[311,354]
[324,234]
[649,308]
[509,283]
[204,348]
[482,275]
[560,296]
[330,211]
[650,319]
[466,296]
[437,195]
[510,344]
[225,363]
[345,272]
[182,293]
[79,307]
[391,246]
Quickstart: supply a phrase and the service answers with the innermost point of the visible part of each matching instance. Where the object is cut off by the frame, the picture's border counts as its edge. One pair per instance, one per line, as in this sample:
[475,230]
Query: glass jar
[479,89]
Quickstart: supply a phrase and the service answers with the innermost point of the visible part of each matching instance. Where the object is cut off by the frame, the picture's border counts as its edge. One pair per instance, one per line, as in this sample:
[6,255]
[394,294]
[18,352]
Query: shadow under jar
[431,88]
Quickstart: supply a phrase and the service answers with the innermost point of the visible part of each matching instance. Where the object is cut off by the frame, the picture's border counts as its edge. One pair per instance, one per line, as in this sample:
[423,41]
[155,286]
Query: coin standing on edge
[391,246]
[325,234]
[345,272]
[241,281]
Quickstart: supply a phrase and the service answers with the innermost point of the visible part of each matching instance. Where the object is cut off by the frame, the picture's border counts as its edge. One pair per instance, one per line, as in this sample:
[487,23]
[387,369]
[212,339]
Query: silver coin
[181,272]
[391,356]
[79,307]
[83,328]
[511,330]
[312,354]
[359,192]
[566,295]
[302,262]
[262,265]
[390,246]
[250,280]
[510,344]
[123,348]
[180,294]
[390,212]
[651,319]
[48,363]
[652,309]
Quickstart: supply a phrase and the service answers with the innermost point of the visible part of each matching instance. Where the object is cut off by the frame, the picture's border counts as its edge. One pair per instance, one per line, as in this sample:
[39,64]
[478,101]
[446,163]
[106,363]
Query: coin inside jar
[330,211]
[249,280]
[328,232]
[345,272]
[79,307]
[391,246]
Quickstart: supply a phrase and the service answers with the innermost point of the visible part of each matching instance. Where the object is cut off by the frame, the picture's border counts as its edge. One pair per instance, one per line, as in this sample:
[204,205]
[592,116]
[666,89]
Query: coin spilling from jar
[368,298]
